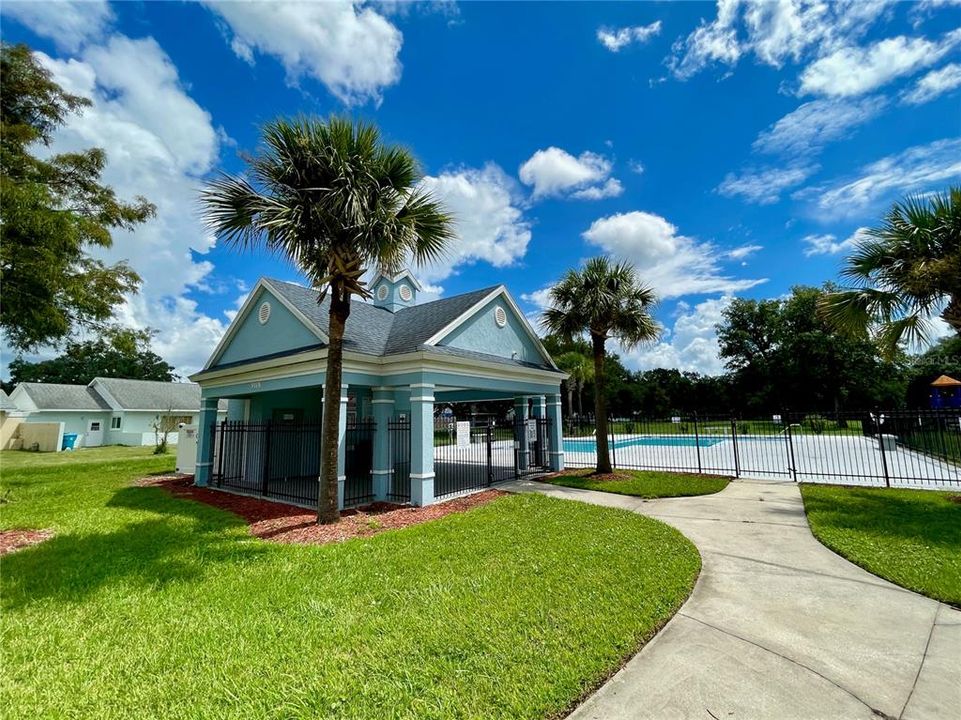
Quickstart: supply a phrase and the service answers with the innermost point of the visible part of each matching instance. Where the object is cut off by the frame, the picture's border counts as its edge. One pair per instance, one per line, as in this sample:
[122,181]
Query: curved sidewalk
[778,626]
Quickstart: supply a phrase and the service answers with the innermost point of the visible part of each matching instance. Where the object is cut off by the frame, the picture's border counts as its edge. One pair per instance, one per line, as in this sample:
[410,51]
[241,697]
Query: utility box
[187,449]
[889,443]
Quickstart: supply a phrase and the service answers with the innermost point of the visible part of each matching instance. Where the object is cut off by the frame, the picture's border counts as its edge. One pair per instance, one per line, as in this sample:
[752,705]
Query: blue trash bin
[69,440]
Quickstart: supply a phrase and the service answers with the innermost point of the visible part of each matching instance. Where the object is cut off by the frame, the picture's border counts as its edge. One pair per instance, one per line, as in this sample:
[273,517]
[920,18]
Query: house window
[94,426]
[115,423]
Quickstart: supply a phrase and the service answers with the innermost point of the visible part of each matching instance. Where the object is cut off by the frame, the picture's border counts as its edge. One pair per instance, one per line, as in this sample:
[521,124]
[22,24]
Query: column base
[421,489]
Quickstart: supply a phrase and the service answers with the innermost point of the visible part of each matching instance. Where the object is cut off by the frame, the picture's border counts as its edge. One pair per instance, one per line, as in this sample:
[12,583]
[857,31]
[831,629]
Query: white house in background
[111,411]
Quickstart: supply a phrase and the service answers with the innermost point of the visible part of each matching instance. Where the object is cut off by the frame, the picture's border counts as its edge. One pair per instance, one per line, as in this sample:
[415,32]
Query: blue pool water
[588,444]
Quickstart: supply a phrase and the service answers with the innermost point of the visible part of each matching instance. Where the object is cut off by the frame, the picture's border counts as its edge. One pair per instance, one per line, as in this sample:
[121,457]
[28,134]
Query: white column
[556,432]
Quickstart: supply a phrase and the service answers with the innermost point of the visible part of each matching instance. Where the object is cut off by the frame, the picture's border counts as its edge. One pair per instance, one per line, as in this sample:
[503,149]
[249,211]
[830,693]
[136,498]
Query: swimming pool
[589,445]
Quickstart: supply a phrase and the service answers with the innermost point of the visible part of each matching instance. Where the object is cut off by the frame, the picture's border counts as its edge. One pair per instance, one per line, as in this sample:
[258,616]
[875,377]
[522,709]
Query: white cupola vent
[405,293]
[382,292]
[500,317]
[263,315]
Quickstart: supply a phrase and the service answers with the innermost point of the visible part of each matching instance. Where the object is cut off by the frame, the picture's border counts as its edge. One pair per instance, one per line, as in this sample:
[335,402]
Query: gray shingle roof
[376,331]
[52,396]
[415,325]
[6,404]
[151,394]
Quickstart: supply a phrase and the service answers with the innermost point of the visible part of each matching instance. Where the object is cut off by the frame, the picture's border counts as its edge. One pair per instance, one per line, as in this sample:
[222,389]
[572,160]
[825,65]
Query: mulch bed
[280,522]
[12,540]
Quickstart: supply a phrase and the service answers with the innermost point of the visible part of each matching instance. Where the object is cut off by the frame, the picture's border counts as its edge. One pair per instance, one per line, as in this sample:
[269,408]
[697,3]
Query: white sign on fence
[776,418]
[532,430]
[676,419]
[463,434]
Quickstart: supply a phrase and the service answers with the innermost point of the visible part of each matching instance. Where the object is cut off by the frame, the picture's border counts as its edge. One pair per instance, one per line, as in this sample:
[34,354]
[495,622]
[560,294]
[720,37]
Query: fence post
[489,434]
[884,458]
[220,457]
[263,482]
[613,448]
[786,418]
[737,460]
[697,443]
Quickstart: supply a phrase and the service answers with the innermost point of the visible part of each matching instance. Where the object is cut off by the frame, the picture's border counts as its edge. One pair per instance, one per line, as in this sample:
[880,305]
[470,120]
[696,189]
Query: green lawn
[18,459]
[644,483]
[144,605]
[910,537]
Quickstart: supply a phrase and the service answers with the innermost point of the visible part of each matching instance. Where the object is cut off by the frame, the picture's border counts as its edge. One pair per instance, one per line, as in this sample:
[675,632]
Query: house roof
[150,394]
[127,394]
[6,404]
[378,331]
[53,396]
[946,381]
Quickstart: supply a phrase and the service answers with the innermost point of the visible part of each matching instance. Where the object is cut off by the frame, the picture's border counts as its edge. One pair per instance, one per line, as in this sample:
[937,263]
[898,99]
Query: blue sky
[727,149]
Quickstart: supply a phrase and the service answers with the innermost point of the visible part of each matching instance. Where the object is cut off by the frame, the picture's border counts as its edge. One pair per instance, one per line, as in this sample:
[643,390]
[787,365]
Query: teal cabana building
[401,361]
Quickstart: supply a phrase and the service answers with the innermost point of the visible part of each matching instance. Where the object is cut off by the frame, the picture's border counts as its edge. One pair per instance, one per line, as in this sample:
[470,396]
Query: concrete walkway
[778,626]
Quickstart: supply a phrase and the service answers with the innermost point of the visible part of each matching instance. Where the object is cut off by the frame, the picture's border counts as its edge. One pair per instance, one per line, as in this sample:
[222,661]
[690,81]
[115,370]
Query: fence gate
[477,455]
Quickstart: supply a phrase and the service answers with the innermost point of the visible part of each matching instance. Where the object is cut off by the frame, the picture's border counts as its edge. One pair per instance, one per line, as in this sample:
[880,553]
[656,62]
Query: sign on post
[463,434]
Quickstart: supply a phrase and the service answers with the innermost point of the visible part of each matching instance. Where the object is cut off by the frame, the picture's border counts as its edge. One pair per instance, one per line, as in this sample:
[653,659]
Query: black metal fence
[359,462]
[281,460]
[398,483]
[276,460]
[488,453]
[893,448]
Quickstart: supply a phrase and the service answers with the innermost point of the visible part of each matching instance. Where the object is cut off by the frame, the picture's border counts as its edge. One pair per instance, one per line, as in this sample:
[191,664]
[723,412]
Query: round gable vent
[382,292]
[405,293]
[263,315]
[500,317]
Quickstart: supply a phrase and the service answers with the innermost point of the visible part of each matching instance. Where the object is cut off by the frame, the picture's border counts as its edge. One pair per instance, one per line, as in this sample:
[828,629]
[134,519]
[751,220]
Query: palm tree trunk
[600,407]
[570,397]
[327,511]
[580,404]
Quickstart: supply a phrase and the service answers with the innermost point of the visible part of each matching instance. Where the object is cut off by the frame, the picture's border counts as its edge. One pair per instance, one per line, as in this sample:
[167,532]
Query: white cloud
[490,224]
[739,253]
[611,188]
[554,172]
[814,124]
[829,245]
[918,169]
[774,31]
[348,46]
[764,186]
[691,344]
[69,23]
[616,38]
[934,84]
[636,167]
[856,70]
[672,264]
[159,144]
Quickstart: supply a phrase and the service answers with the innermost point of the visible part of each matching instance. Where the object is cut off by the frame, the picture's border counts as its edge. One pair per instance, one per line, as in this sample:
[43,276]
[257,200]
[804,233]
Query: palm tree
[335,200]
[580,370]
[907,270]
[606,301]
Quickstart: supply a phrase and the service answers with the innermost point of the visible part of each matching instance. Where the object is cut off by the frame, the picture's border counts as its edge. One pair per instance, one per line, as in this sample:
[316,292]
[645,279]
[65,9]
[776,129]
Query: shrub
[816,424]
[161,447]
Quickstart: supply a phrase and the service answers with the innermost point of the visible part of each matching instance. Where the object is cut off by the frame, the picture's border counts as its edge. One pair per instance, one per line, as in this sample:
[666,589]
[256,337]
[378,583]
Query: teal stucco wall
[482,334]
[280,333]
